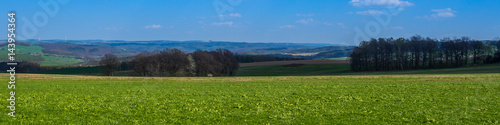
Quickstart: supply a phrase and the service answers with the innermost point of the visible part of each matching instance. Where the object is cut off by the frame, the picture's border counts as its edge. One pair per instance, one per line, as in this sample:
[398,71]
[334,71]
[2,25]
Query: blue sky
[293,21]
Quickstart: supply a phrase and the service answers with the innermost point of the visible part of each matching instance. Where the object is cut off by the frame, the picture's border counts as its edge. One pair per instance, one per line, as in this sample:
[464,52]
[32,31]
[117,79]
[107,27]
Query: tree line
[418,52]
[174,62]
[24,66]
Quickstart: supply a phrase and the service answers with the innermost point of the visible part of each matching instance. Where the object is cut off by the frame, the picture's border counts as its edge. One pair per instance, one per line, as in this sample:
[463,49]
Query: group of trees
[24,66]
[160,63]
[420,53]
[109,63]
[220,62]
[174,62]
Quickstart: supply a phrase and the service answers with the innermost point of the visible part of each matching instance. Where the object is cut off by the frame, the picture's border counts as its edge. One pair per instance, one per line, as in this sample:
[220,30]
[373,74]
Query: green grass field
[339,58]
[25,49]
[343,69]
[304,70]
[56,60]
[23,54]
[352,98]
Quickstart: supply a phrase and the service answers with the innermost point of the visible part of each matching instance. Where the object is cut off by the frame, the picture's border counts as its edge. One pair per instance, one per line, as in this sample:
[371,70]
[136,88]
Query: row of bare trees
[174,62]
[160,63]
[220,62]
[420,53]
[109,64]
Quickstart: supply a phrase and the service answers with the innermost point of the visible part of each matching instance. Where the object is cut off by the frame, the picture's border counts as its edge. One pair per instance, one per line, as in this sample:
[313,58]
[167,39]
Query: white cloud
[440,13]
[232,15]
[370,12]
[396,3]
[341,25]
[223,23]
[305,21]
[306,15]
[152,26]
[235,15]
[397,28]
[327,23]
[287,26]
[445,13]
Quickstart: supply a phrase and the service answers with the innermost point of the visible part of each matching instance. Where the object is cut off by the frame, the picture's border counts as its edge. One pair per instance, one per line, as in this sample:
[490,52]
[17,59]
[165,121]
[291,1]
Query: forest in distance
[417,52]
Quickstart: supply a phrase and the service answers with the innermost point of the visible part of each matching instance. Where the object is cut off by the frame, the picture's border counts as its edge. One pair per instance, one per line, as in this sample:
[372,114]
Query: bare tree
[191,68]
[172,61]
[109,63]
[477,47]
[418,52]
[145,63]
[203,63]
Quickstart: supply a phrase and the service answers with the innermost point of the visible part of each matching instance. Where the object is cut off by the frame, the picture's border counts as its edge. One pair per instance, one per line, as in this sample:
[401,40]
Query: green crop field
[24,49]
[304,70]
[338,58]
[280,70]
[34,53]
[343,69]
[55,60]
[343,99]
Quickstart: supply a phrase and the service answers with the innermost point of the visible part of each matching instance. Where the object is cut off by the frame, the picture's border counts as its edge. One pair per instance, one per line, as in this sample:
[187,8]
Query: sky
[277,21]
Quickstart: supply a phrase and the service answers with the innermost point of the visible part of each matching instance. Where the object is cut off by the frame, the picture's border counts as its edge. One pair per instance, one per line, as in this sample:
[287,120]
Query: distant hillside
[325,52]
[187,46]
[28,52]
[323,49]
[60,53]
[309,53]
[88,51]
[70,52]
[190,46]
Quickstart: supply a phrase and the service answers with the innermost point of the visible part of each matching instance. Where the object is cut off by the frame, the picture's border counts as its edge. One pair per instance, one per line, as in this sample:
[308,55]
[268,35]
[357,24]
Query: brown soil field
[294,62]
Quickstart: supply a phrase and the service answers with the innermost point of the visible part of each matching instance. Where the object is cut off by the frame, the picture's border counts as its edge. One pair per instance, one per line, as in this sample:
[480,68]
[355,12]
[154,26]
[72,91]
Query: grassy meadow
[343,69]
[35,54]
[416,96]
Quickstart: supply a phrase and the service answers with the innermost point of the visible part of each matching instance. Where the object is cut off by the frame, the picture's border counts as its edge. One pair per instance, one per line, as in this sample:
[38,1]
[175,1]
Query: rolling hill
[69,52]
